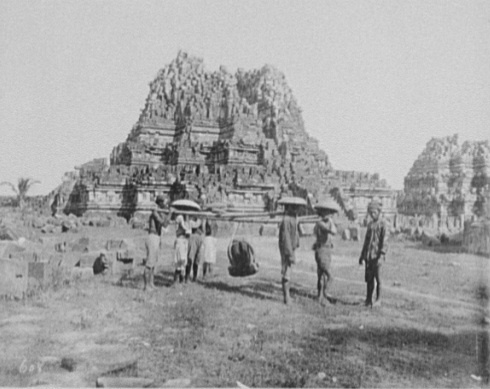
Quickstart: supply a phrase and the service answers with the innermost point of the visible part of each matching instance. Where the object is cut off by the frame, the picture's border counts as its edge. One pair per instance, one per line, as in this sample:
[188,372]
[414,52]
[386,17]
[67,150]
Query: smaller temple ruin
[447,182]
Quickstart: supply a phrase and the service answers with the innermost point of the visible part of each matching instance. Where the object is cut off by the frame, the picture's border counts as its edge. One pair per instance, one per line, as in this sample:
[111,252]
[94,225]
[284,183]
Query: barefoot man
[323,231]
[289,239]
[373,251]
[156,221]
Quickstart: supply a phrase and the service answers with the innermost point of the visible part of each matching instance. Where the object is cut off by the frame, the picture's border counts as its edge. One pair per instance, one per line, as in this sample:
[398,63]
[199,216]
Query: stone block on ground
[48,241]
[47,229]
[7,233]
[116,244]
[13,278]
[429,239]
[138,224]
[100,222]
[121,269]
[55,221]
[56,259]
[88,259]
[81,246]
[40,271]
[117,221]
[346,234]
[410,231]
[38,222]
[126,256]
[11,250]
[123,363]
[306,229]
[268,230]
[123,382]
[177,383]
[355,233]
[82,273]
[456,238]
[49,360]
[68,363]
[68,259]
[69,225]
[60,247]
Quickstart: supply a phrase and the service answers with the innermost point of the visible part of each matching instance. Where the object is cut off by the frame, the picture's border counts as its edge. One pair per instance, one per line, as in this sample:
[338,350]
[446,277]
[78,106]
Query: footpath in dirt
[225,330]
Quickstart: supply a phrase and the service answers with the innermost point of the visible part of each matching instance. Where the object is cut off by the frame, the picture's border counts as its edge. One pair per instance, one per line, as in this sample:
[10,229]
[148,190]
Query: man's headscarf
[374,205]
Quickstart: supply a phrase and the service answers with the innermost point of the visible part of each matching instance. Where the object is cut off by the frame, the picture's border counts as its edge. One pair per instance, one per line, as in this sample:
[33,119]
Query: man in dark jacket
[373,250]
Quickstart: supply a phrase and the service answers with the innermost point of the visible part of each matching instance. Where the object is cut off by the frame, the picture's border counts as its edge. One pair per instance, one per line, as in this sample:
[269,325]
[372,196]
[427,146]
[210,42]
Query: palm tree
[23,186]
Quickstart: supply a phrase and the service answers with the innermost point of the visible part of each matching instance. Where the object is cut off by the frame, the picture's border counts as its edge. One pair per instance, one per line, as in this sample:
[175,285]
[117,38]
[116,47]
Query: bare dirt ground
[223,330]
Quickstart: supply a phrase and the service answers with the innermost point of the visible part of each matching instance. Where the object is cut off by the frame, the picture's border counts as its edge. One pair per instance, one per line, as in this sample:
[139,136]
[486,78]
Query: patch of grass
[226,329]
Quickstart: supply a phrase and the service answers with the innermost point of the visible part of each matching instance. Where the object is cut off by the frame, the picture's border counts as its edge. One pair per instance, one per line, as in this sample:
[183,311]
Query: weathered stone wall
[220,133]
[447,179]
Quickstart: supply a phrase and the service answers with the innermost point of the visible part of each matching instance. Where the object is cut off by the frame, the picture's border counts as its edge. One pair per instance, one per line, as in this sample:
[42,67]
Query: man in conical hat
[324,231]
[288,241]
[373,252]
[156,222]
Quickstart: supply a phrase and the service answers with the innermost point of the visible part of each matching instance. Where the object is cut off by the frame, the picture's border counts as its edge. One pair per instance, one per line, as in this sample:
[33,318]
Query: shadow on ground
[442,249]
[271,290]
[366,357]
[164,278]
[254,289]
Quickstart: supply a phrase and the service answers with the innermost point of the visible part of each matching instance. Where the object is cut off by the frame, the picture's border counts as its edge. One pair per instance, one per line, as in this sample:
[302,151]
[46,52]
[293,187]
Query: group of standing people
[194,244]
[191,246]
[372,254]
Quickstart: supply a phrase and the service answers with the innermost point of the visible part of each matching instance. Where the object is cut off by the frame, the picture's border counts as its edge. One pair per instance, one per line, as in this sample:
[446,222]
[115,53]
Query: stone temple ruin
[447,182]
[230,141]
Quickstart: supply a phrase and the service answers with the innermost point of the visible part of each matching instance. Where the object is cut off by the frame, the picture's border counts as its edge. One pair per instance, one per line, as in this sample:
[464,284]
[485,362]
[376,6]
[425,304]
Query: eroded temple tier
[447,181]
[233,140]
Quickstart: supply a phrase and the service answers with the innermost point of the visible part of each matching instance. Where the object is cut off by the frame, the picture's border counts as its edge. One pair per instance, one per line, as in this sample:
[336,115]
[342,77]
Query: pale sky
[375,79]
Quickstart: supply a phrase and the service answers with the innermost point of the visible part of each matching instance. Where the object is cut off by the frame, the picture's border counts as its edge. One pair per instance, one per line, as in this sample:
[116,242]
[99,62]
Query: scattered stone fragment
[355,233]
[123,382]
[138,224]
[81,246]
[268,230]
[82,273]
[47,228]
[13,278]
[306,229]
[123,363]
[429,239]
[40,271]
[60,247]
[346,234]
[177,383]
[321,375]
[50,360]
[7,233]
[116,244]
[68,363]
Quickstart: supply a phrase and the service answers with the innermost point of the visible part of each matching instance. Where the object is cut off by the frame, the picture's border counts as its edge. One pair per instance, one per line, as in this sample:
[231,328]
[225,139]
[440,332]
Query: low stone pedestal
[13,278]
[268,230]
